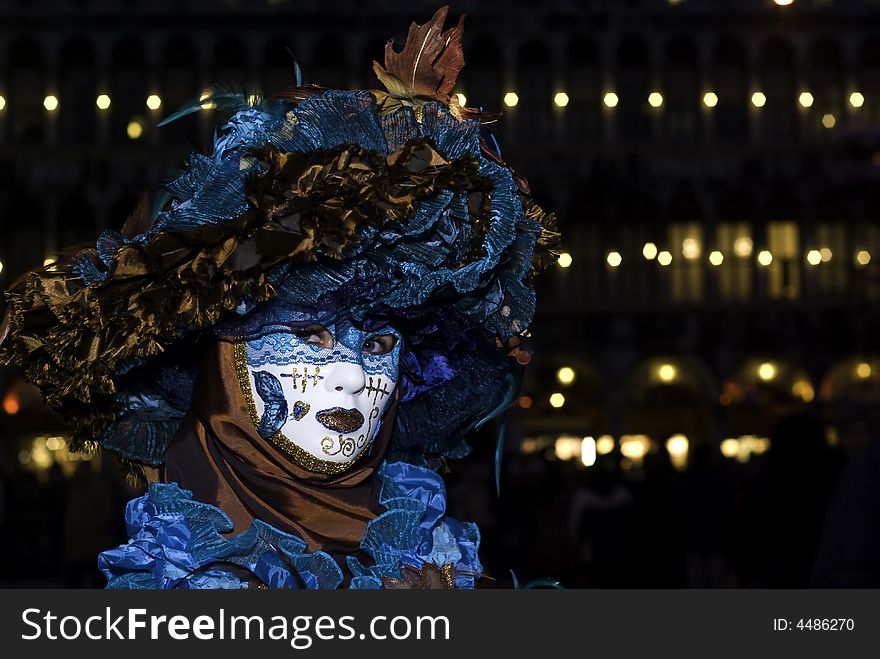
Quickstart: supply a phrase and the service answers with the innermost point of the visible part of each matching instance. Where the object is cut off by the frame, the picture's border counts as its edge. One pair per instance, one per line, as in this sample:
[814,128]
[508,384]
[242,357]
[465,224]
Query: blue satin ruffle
[176,542]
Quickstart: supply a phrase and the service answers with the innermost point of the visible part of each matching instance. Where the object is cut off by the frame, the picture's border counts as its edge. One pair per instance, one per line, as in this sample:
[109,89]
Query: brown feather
[140,219]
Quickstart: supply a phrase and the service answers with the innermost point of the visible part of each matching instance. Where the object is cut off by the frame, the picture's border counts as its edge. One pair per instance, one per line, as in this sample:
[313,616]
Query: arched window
[78,91]
[329,64]
[27,89]
[229,64]
[633,83]
[731,114]
[180,85]
[827,80]
[869,78]
[779,85]
[534,85]
[277,71]
[482,77]
[681,91]
[128,88]
[583,84]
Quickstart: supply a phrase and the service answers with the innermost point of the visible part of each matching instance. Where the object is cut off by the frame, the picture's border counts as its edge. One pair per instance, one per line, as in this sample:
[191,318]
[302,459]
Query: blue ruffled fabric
[419,273]
[176,542]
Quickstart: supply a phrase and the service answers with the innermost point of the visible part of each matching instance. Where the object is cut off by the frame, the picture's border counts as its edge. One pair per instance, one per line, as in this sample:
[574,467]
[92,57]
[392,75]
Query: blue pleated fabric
[176,542]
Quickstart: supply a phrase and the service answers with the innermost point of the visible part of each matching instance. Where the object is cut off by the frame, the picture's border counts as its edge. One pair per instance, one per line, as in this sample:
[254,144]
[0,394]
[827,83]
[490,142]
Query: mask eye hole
[316,335]
[379,344]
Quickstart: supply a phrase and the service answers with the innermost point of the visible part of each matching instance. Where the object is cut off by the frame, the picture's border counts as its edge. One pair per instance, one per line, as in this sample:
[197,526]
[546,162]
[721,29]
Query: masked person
[298,334]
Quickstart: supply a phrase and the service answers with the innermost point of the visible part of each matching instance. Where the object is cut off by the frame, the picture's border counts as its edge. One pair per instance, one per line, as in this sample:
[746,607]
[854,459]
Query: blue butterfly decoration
[274,404]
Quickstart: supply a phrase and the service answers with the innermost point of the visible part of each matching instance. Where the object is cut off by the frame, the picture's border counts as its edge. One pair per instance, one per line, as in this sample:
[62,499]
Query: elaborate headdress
[388,205]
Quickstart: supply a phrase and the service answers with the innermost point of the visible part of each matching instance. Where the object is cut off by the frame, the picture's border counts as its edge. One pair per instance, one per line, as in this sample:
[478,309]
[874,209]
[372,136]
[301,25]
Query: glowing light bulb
[611,100]
[691,248]
[11,403]
[863,370]
[614,259]
[604,445]
[710,99]
[863,257]
[154,102]
[759,100]
[50,103]
[564,260]
[828,120]
[561,99]
[511,99]
[765,258]
[805,99]
[813,257]
[565,375]
[557,400]
[649,251]
[716,258]
[857,99]
[667,372]
[664,258]
[730,447]
[766,371]
[103,102]
[655,99]
[134,130]
[588,451]
[742,246]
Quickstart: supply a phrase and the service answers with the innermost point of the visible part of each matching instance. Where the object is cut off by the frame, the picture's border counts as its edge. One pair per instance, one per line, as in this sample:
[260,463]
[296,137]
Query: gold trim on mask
[279,440]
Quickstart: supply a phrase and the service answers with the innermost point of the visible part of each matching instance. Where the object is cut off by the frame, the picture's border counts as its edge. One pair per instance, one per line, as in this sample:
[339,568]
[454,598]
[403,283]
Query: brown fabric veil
[218,454]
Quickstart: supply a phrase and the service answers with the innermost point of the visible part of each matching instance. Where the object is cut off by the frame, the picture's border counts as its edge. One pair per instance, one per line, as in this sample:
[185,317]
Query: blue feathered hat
[379,205]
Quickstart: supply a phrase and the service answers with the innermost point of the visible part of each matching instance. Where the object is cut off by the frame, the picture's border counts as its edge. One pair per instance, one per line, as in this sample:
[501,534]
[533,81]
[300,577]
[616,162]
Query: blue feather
[225,99]
[274,403]
[543,583]
[510,394]
[499,450]
[162,198]
[515,580]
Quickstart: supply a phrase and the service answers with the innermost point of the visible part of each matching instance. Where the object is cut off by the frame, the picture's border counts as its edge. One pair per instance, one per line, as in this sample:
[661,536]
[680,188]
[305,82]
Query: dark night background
[701,409]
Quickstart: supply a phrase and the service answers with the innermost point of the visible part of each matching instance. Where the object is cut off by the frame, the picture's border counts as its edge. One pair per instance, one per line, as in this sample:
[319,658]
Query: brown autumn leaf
[429,63]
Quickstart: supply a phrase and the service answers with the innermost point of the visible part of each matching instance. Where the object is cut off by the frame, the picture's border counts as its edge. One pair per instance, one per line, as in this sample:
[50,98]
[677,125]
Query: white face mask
[320,393]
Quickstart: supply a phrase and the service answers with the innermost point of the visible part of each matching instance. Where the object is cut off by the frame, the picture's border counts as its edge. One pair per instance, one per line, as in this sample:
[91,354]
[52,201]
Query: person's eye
[316,335]
[380,344]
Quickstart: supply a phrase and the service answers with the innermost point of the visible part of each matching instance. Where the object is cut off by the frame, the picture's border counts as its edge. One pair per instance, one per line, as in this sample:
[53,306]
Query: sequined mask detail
[300,409]
[338,419]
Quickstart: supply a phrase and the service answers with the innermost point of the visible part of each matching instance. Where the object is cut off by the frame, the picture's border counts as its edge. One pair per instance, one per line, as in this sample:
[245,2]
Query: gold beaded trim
[299,454]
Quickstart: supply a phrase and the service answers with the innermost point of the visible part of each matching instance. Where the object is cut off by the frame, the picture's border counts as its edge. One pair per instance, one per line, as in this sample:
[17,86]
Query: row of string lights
[691,251]
[511,99]
[655,99]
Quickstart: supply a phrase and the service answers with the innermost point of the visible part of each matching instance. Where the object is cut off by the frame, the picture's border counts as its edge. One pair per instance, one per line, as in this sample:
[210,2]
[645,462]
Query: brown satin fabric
[218,454]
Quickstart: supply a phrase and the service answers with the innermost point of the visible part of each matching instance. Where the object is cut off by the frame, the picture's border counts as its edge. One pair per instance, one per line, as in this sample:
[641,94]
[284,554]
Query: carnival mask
[319,392]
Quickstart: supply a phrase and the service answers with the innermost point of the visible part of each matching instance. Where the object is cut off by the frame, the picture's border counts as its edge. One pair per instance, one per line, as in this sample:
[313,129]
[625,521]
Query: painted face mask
[319,393]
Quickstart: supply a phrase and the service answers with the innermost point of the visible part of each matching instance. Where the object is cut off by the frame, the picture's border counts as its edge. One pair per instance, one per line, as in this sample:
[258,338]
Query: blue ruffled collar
[176,542]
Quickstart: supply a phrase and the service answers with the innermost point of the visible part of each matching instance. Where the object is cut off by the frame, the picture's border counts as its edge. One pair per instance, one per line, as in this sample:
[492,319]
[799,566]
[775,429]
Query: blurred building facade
[713,166]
